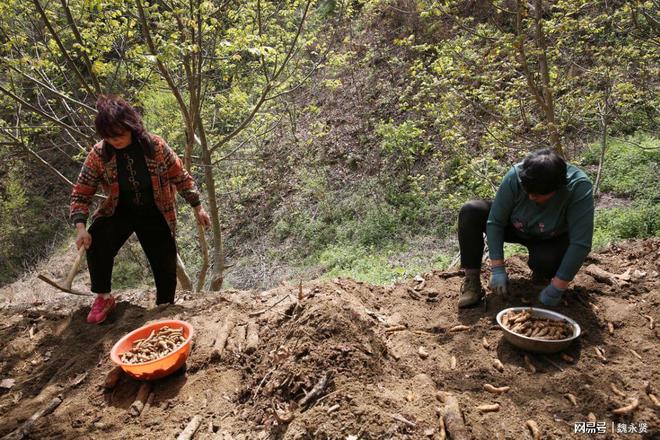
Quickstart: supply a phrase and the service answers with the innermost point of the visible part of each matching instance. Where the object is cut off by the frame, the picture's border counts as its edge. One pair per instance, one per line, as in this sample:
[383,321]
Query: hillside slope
[378,386]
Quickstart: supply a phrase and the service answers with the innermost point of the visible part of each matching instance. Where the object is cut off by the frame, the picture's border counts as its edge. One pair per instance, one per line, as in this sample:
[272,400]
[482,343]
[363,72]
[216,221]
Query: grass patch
[375,265]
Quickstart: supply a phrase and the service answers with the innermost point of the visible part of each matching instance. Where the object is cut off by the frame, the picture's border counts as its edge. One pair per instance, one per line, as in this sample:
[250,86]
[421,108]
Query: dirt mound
[347,360]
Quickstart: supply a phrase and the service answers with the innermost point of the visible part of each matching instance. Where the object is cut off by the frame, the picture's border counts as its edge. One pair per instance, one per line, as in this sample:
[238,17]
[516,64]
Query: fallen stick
[395,328]
[241,332]
[553,363]
[534,429]
[112,378]
[262,311]
[316,390]
[221,340]
[628,408]
[454,424]
[637,355]
[138,404]
[24,430]
[190,429]
[252,337]
[400,418]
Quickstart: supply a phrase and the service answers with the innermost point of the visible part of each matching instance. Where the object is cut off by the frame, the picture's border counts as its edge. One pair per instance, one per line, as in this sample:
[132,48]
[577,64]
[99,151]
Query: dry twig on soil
[316,390]
[24,430]
[190,429]
[400,418]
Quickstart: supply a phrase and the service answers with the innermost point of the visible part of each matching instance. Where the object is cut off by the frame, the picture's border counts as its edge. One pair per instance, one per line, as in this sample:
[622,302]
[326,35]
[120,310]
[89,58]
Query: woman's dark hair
[542,172]
[115,116]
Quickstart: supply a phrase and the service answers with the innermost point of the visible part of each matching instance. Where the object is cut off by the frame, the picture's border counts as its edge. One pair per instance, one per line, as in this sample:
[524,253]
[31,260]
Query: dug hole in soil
[343,359]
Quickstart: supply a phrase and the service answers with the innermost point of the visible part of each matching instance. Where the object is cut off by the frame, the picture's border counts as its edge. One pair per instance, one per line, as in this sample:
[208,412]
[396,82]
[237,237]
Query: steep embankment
[362,342]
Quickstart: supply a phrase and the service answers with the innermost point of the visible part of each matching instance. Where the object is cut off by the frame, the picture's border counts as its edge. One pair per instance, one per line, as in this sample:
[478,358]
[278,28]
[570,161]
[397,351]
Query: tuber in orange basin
[159,367]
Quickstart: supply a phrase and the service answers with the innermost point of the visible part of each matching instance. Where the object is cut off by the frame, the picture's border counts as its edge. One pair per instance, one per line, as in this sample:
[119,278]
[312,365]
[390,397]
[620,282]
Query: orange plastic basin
[160,367]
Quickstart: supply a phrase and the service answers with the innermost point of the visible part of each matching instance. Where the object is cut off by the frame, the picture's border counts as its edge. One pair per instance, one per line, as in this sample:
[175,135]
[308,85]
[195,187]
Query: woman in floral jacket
[140,174]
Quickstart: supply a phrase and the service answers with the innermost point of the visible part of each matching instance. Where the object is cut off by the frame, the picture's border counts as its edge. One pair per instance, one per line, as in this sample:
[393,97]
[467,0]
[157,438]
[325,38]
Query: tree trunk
[218,247]
[546,88]
[603,149]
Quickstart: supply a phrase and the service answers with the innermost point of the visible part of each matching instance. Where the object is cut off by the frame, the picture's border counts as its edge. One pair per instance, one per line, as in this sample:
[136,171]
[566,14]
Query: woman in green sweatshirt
[543,204]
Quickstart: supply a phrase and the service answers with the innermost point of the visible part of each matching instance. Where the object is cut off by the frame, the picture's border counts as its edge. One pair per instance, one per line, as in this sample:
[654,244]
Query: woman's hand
[499,281]
[84,238]
[202,217]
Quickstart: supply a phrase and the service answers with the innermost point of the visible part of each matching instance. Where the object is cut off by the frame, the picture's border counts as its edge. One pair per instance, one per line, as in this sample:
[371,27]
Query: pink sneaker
[100,309]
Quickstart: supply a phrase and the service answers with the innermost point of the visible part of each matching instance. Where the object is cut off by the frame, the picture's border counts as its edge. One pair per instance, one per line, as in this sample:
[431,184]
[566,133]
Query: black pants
[110,233]
[544,255]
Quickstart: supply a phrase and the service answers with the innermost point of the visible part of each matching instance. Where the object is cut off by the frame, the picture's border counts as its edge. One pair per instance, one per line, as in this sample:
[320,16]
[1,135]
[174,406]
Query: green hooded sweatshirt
[570,210]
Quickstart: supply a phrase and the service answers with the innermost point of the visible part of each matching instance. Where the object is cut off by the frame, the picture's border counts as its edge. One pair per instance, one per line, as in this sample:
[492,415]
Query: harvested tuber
[627,409]
[496,390]
[526,324]
[534,429]
[156,346]
[489,407]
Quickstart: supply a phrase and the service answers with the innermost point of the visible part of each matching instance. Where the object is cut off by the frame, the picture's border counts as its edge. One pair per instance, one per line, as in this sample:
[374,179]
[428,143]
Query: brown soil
[378,386]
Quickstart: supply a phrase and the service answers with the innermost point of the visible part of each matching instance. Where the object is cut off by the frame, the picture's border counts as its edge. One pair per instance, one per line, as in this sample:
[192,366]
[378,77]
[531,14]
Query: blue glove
[551,295]
[499,282]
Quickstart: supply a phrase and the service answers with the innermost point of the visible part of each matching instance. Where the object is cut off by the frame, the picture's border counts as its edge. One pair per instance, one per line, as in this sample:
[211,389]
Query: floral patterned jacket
[168,176]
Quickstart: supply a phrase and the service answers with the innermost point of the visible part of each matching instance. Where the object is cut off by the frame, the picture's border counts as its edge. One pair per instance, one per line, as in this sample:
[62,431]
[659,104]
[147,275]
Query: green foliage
[630,171]
[640,220]
[23,232]
[405,141]
[631,167]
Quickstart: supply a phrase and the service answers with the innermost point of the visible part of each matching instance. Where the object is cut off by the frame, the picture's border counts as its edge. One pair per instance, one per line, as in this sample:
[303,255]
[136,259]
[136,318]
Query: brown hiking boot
[471,291]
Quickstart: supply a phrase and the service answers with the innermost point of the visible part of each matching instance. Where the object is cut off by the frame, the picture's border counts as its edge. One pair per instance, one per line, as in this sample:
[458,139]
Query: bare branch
[44,114]
[45,86]
[57,39]
[79,39]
